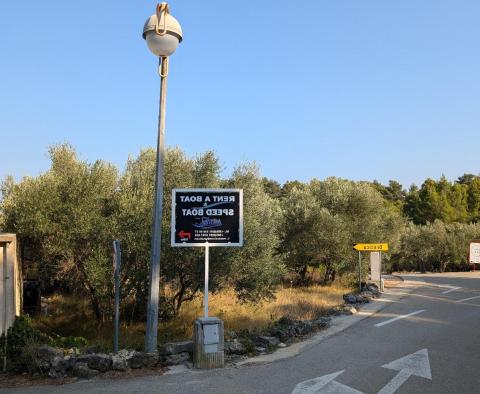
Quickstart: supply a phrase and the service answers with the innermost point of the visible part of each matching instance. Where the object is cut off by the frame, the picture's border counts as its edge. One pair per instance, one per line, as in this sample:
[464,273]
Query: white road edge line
[399,317]
[452,289]
[468,299]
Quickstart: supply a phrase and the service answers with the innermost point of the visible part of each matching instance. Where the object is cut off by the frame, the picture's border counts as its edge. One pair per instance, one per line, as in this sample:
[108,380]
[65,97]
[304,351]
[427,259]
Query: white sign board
[474,255]
[375,266]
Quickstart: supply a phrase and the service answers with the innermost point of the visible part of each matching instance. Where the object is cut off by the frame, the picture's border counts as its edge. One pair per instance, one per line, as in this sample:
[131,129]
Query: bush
[21,343]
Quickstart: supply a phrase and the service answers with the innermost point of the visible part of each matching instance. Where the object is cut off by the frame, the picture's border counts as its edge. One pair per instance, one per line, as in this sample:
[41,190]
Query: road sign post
[378,248]
[206,218]
[117,262]
[359,271]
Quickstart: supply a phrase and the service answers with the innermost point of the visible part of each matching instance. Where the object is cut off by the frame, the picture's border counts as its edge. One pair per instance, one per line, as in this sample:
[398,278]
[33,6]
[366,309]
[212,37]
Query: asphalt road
[425,340]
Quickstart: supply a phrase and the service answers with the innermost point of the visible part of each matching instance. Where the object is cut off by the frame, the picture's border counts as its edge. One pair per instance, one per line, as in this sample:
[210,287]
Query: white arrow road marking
[398,318]
[468,299]
[450,290]
[325,385]
[416,364]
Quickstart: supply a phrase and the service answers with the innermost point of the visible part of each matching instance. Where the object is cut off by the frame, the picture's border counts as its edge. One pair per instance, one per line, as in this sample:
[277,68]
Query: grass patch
[71,316]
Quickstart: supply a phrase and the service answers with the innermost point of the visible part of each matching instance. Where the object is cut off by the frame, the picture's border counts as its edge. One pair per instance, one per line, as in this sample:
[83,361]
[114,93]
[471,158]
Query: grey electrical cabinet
[208,343]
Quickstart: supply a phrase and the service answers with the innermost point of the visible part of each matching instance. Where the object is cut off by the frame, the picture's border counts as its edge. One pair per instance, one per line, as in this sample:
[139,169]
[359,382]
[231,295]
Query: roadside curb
[338,325]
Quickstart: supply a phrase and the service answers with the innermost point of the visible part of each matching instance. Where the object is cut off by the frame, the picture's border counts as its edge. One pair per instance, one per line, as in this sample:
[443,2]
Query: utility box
[376,269]
[208,343]
[10,282]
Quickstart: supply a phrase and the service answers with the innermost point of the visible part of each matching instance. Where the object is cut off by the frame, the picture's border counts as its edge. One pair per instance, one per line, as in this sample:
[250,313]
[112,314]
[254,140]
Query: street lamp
[163,34]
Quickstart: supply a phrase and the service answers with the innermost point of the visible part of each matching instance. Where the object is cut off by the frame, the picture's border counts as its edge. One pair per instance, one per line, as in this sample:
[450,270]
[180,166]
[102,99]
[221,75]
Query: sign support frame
[207,269]
[117,259]
[359,271]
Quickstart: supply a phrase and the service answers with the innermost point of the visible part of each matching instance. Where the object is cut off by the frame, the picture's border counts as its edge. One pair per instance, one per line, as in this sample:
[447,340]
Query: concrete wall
[10,281]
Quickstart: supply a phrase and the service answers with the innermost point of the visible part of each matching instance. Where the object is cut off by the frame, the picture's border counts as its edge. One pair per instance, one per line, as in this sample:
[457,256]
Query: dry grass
[71,316]
[296,303]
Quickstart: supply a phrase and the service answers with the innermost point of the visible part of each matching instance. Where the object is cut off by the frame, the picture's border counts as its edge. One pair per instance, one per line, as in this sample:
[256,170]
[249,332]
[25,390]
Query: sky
[307,89]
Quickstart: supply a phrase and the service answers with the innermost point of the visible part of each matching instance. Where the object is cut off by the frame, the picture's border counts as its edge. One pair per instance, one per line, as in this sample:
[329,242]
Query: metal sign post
[207,262]
[383,247]
[117,260]
[359,271]
[207,217]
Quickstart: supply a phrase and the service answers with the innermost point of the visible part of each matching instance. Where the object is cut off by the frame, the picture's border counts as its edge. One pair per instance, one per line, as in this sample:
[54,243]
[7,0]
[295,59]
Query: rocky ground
[63,366]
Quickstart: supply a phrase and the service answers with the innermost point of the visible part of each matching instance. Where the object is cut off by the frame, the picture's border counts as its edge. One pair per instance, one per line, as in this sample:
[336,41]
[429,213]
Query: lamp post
[163,34]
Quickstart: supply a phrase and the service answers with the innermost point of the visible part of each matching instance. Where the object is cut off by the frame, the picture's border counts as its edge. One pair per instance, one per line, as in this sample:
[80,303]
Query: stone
[361,299]
[60,367]
[100,361]
[175,348]
[81,370]
[265,341]
[176,359]
[235,347]
[119,363]
[141,359]
[281,345]
[322,322]
[47,354]
[260,349]
[231,334]
[350,299]
[84,358]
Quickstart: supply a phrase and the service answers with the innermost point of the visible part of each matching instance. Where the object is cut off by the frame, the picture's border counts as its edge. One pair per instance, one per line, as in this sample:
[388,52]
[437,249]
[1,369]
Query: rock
[60,367]
[175,348]
[231,335]
[176,359]
[84,358]
[119,363]
[141,359]
[101,362]
[260,349]
[305,327]
[81,370]
[350,299]
[322,322]
[235,347]
[265,341]
[48,354]
[281,345]
[361,299]
[46,357]
[282,333]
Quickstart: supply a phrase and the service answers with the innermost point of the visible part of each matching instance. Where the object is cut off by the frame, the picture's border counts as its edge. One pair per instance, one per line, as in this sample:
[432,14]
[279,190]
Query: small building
[10,281]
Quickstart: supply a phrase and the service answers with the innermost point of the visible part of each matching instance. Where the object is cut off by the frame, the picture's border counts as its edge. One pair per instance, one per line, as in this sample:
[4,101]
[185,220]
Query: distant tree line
[67,218]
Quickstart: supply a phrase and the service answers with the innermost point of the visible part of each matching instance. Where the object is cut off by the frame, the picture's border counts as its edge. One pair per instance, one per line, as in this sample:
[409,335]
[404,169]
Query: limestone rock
[141,359]
[235,347]
[81,370]
[265,341]
[175,348]
[100,361]
[176,359]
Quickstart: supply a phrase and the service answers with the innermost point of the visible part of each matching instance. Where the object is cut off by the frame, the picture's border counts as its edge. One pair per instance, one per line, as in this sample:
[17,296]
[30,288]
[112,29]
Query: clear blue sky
[357,89]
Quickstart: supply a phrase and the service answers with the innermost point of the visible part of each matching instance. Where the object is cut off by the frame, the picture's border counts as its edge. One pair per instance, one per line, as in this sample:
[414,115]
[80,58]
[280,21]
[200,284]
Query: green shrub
[21,343]
[71,342]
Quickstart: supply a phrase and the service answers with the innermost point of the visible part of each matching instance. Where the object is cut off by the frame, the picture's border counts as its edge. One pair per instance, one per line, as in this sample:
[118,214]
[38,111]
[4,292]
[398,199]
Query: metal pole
[118,262]
[5,296]
[207,263]
[152,307]
[359,271]
[381,282]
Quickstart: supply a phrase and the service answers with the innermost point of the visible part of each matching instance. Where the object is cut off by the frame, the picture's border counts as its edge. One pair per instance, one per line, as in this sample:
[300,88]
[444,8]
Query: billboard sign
[212,217]
[474,255]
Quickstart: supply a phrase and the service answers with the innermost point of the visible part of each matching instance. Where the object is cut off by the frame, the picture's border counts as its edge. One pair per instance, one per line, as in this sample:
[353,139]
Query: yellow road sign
[371,247]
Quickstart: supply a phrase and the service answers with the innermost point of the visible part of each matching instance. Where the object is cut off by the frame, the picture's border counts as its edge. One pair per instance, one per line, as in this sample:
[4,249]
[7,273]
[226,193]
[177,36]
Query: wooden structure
[10,281]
